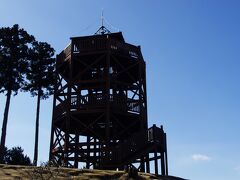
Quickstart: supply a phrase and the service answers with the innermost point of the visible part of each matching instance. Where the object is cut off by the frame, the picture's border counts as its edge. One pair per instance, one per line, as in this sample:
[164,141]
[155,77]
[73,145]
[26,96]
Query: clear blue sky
[192,52]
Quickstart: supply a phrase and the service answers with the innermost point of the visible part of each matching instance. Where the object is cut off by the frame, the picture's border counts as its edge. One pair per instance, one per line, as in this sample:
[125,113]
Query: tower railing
[63,56]
[98,44]
[98,100]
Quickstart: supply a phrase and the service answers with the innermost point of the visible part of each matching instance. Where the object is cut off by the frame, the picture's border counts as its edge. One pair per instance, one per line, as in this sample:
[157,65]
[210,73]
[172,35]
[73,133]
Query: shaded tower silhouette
[100,107]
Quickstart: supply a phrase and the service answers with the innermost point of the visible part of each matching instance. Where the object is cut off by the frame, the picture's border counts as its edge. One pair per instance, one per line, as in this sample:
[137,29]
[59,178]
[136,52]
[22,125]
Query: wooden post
[147,163]
[166,159]
[156,161]
[76,150]
[142,164]
[163,163]
[88,153]
[95,153]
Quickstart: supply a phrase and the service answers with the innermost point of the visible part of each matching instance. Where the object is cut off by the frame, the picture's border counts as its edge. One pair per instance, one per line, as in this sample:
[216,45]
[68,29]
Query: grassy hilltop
[9,172]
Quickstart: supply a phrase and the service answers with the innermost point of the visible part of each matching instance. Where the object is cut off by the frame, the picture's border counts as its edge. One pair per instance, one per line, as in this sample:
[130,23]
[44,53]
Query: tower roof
[117,36]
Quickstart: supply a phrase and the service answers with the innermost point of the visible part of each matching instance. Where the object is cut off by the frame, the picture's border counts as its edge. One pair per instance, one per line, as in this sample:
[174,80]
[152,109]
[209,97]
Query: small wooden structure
[100,107]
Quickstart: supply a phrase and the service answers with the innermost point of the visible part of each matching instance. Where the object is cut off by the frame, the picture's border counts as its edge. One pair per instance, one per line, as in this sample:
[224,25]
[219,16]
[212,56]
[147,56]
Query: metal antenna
[102,18]
[102,29]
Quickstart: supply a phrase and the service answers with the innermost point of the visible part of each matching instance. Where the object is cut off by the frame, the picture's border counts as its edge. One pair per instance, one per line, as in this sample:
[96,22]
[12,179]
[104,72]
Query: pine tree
[15,156]
[40,76]
[14,45]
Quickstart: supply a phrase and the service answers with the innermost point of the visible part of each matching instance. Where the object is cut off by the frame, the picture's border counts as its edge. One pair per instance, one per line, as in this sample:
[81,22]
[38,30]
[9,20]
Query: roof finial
[102,30]
[102,18]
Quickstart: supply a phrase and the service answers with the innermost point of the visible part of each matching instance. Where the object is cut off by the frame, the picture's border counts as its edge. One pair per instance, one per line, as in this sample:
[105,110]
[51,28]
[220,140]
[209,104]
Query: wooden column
[142,165]
[156,161]
[76,151]
[163,163]
[147,163]
[88,153]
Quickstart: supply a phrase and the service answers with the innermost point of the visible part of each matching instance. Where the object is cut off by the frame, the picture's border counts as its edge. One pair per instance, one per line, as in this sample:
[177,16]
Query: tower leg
[88,153]
[95,153]
[156,162]
[147,163]
[142,165]
[166,158]
[163,163]
[76,151]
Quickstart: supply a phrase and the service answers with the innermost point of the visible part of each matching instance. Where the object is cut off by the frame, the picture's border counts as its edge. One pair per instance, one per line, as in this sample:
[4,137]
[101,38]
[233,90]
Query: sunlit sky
[192,52]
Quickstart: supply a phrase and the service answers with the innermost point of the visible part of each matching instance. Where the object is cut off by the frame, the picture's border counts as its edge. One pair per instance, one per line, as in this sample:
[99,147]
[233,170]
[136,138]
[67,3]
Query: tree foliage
[14,45]
[40,70]
[15,156]
[40,79]
[27,65]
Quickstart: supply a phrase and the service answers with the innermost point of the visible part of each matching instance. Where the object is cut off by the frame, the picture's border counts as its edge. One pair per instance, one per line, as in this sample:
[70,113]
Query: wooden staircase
[138,147]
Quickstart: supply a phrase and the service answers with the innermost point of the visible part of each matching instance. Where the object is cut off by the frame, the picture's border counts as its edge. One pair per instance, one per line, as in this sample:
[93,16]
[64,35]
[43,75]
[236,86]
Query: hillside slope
[9,172]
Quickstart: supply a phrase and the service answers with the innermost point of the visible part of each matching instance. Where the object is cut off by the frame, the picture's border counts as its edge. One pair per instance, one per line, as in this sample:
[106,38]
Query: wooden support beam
[156,162]
[163,171]
[76,152]
[88,153]
[147,163]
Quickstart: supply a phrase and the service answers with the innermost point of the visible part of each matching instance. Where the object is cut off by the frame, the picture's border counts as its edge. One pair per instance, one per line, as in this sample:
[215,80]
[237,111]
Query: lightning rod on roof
[102,18]
[102,30]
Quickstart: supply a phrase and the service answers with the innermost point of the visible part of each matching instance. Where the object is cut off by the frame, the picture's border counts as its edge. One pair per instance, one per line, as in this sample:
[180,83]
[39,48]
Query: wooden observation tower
[100,107]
